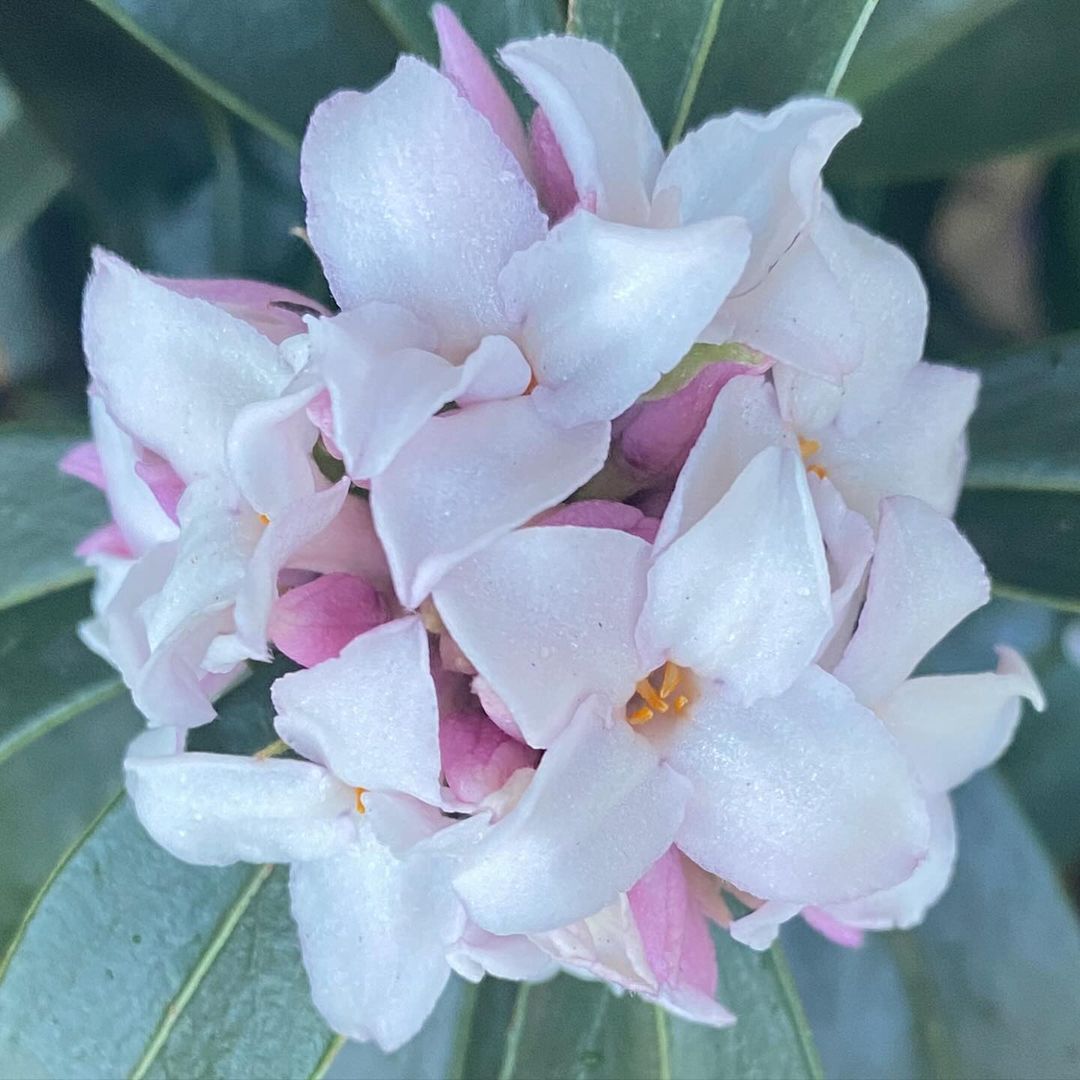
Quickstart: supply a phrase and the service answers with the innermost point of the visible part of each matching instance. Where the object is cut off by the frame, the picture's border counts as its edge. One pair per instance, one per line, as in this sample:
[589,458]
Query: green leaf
[48,677]
[49,793]
[986,988]
[572,1028]
[31,171]
[43,516]
[268,66]
[1021,508]
[1007,70]
[132,962]
[696,58]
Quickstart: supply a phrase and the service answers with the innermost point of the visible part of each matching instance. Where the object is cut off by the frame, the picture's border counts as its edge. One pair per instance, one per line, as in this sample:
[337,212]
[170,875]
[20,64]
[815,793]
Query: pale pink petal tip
[83,462]
[314,622]
[477,756]
[162,480]
[673,928]
[465,65]
[603,514]
[850,937]
[554,181]
[108,540]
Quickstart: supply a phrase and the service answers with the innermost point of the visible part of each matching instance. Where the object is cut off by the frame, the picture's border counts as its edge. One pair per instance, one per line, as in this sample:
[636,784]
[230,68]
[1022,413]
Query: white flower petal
[799,314]
[413,199]
[470,476]
[608,308]
[495,369]
[269,451]
[761,927]
[383,387]
[287,533]
[547,617]
[849,543]
[803,797]
[951,726]
[744,420]
[173,370]
[602,127]
[905,905]
[764,168]
[914,446]
[925,578]
[373,932]
[888,300]
[215,809]
[744,595]
[600,810]
[133,505]
[370,714]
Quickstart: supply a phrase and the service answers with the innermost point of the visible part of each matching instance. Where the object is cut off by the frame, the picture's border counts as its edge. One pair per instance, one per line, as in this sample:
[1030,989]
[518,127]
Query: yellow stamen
[649,695]
[360,807]
[641,716]
[672,678]
[818,470]
[808,447]
[264,518]
[681,702]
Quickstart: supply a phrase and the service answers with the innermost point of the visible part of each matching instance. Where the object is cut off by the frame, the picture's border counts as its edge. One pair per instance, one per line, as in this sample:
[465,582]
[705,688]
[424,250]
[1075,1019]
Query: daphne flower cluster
[604,524]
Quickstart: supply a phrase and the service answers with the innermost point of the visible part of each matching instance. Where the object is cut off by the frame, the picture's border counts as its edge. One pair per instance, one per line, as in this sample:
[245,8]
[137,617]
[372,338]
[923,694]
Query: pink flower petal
[462,62]
[850,937]
[108,540]
[655,437]
[554,181]
[477,756]
[84,462]
[162,479]
[276,312]
[314,622]
[602,514]
[673,928]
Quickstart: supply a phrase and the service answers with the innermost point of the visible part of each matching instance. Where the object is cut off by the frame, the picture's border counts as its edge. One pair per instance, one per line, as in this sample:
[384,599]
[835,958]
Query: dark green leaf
[986,988]
[1022,504]
[268,66]
[43,516]
[132,962]
[1007,70]
[1043,764]
[696,58]
[126,940]
[603,1036]
[47,676]
[1023,434]
[31,171]
[906,35]
[50,792]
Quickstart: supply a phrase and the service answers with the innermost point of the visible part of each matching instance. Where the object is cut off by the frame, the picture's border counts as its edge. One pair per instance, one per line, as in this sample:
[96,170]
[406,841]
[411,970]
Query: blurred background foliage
[169,132]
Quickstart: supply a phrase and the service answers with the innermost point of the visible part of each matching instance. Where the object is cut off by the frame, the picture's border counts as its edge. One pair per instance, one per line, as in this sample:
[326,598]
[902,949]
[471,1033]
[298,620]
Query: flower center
[662,691]
[808,448]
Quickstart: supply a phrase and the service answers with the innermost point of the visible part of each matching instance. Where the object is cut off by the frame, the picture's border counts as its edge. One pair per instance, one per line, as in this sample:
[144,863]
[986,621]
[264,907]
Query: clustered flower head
[604,525]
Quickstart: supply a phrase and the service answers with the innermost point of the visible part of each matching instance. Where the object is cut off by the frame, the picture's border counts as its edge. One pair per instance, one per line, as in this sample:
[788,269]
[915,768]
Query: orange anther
[650,696]
[808,447]
[681,702]
[818,470]
[360,807]
[641,716]
[672,678]
[264,518]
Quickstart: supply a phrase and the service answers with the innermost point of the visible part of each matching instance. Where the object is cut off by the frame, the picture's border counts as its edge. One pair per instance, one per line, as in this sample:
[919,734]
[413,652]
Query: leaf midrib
[62,712]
